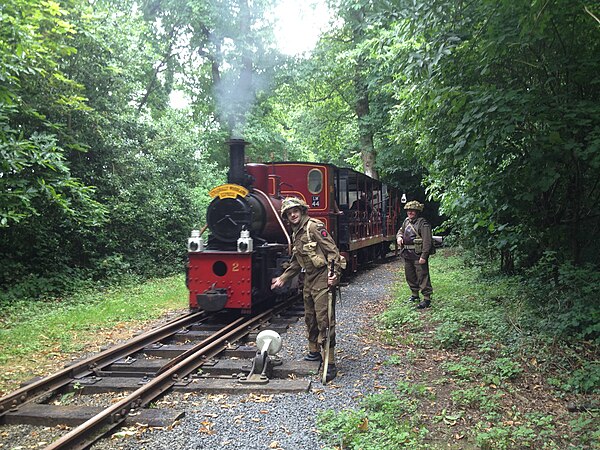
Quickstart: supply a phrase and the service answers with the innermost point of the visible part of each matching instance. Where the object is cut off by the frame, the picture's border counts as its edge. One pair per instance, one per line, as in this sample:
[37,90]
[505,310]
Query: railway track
[193,353]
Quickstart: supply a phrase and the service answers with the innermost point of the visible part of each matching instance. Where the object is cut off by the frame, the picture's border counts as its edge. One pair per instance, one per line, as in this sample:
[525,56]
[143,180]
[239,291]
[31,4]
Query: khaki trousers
[315,317]
[417,277]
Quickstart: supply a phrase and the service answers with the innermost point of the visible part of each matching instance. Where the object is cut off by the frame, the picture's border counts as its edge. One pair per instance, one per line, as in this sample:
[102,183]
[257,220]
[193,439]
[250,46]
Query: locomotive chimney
[237,173]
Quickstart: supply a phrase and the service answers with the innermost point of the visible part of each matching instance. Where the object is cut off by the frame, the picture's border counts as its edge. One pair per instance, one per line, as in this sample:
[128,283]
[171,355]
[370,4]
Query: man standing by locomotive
[313,250]
[416,243]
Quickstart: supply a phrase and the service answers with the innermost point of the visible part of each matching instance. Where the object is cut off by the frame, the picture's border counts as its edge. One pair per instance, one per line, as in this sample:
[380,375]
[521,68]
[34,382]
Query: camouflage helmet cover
[414,205]
[293,202]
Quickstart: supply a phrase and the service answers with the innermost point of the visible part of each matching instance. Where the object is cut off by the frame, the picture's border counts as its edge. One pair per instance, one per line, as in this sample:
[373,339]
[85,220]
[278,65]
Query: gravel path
[286,422]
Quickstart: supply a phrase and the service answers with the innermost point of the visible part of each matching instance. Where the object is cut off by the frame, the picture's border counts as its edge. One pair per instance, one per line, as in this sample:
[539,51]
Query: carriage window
[315,181]
[343,193]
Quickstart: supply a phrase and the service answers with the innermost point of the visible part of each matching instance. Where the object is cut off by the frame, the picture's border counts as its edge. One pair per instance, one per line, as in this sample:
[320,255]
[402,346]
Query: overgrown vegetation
[499,375]
[99,178]
[387,421]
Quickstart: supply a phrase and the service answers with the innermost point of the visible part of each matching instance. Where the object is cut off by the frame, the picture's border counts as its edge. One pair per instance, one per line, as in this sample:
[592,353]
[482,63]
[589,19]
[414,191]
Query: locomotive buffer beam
[268,343]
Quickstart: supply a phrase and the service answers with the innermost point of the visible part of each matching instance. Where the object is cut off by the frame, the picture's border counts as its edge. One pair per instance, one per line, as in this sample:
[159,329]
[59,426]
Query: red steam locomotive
[249,243]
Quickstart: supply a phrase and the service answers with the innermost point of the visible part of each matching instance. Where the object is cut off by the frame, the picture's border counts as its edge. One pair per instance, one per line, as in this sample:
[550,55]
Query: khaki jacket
[409,231]
[316,277]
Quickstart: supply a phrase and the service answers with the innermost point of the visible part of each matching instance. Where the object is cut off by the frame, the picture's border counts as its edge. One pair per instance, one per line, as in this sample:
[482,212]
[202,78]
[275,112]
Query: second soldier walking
[416,243]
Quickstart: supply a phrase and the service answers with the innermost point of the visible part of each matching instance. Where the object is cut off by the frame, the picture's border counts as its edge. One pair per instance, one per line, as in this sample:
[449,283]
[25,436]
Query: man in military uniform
[416,244]
[313,250]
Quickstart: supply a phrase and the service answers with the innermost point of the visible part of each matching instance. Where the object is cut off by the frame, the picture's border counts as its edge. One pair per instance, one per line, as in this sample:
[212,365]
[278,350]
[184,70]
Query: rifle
[330,299]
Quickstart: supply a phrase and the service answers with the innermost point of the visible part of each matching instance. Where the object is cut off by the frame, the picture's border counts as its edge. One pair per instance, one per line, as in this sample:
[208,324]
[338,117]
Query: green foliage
[380,424]
[50,285]
[491,100]
[480,397]
[158,192]
[585,379]
[399,316]
[33,37]
[393,360]
[36,176]
[465,369]
[495,372]
[450,335]
[417,390]
[310,111]
[585,427]
[494,339]
[565,297]
[30,326]
[501,370]
[35,172]
[101,120]
[530,430]
[335,105]
[508,319]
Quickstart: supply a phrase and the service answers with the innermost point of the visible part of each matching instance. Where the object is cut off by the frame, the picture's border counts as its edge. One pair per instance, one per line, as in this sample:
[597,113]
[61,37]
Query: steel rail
[88,366]
[80,437]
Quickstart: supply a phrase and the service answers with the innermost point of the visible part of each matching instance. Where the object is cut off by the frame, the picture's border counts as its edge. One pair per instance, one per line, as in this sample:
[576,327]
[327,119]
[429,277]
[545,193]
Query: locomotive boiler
[248,243]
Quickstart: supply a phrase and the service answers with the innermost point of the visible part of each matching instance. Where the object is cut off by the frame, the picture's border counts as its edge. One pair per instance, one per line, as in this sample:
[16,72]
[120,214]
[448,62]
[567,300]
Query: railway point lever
[268,343]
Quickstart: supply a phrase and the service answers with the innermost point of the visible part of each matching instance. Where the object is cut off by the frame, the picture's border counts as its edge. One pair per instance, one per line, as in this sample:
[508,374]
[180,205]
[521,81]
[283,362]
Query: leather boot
[331,373]
[424,304]
[313,356]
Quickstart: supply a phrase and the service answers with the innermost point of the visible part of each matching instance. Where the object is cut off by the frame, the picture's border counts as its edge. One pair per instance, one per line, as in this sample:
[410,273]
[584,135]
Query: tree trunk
[507,263]
[361,107]
[367,154]
[575,191]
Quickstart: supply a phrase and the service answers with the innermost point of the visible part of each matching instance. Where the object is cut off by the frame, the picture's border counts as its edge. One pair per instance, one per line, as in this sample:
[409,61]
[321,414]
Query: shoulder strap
[414,228]
[308,230]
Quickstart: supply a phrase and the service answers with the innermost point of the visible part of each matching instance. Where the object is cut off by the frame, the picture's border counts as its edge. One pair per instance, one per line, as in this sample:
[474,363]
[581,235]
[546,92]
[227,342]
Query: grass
[501,378]
[37,337]
[385,421]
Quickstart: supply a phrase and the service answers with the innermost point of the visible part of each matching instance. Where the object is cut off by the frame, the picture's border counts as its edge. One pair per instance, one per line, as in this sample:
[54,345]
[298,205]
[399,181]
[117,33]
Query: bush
[565,298]
[34,286]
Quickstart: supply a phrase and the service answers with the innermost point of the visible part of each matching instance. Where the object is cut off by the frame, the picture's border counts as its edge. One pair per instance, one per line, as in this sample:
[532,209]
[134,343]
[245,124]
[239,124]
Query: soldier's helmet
[414,205]
[293,202]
